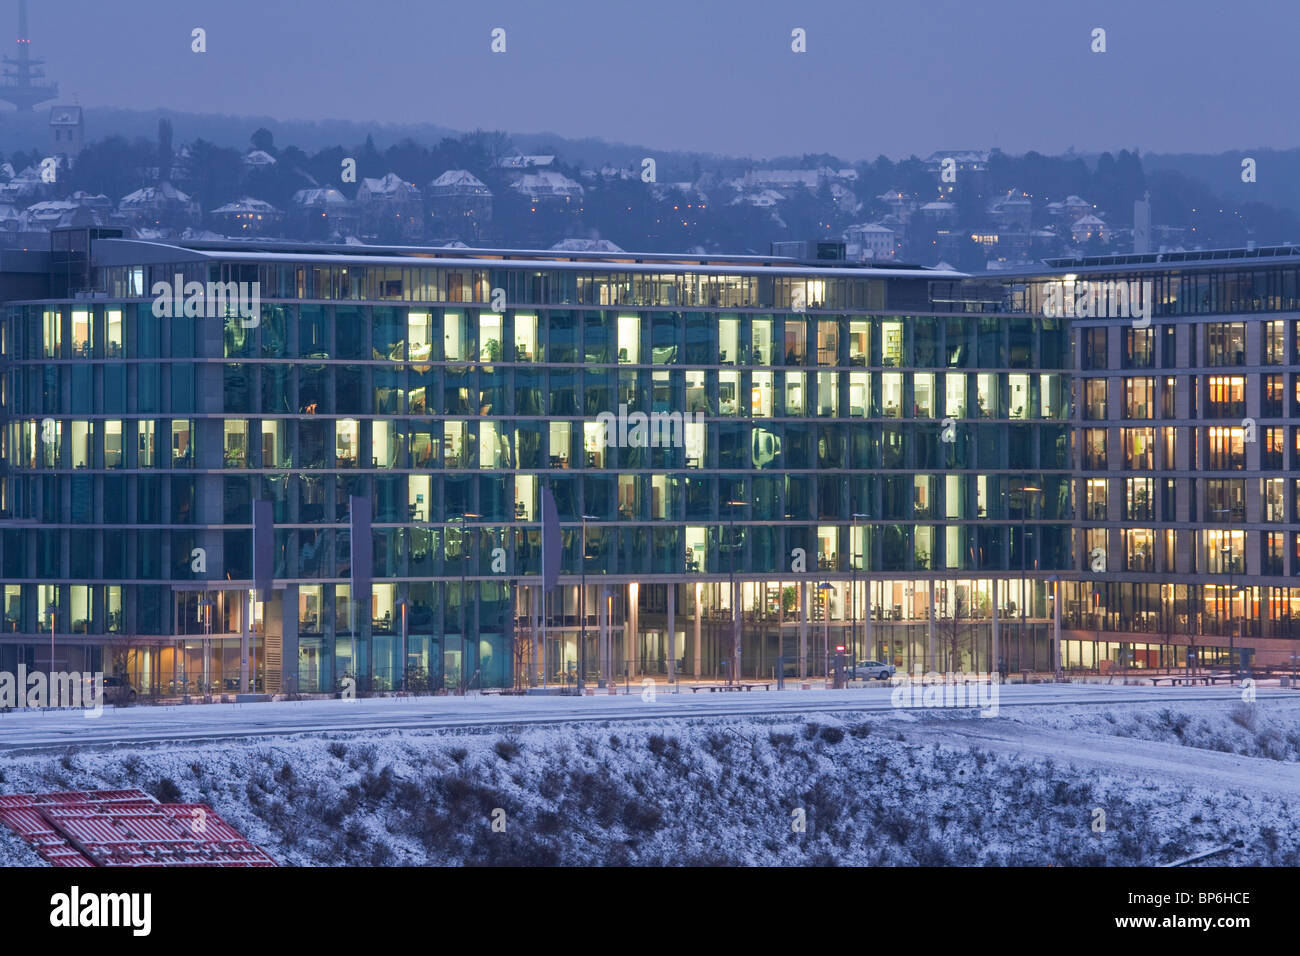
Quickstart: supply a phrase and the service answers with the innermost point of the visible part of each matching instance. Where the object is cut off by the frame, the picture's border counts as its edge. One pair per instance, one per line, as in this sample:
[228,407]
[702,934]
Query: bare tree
[955,632]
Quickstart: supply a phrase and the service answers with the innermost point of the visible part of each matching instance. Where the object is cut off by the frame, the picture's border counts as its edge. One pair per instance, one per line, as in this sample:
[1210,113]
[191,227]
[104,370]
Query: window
[1096,500]
[955,394]
[1167,396]
[1271,499]
[1274,353]
[1139,398]
[1225,500]
[891,344]
[1225,551]
[1139,549]
[1094,348]
[83,333]
[1225,343]
[859,342]
[1094,399]
[1138,448]
[1094,449]
[1019,395]
[1139,499]
[891,395]
[1271,559]
[1225,449]
[1225,396]
[1140,348]
[923,394]
[1274,448]
[1272,396]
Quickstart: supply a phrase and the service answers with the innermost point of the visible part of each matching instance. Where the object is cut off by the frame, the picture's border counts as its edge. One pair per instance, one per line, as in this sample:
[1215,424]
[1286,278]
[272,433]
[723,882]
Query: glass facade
[926,469]
[805,469]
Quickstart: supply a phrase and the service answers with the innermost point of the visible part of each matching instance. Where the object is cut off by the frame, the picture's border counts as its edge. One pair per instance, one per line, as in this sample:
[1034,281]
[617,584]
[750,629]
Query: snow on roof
[547,183]
[258,157]
[163,192]
[246,204]
[460,180]
[320,196]
[519,161]
[586,245]
[390,184]
[867,227]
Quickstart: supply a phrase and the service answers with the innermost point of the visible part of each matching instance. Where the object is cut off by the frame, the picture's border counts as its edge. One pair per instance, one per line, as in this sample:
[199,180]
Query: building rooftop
[108,252]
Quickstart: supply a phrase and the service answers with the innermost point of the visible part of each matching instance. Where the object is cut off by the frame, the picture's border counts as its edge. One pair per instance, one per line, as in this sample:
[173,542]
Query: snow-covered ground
[686,780]
[28,729]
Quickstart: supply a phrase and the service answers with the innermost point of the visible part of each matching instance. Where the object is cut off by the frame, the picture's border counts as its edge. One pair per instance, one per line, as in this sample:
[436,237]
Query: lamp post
[734,676]
[582,609]
[853,636]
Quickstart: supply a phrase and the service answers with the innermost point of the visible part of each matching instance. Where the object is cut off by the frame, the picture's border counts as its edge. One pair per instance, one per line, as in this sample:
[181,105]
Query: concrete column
[1056,627]
[699,649]
[672,633]
[869,651]
[803,631]
[602,623]
[929,627]
[289,640]
[631,631]
[997,649]
[534,606]
[245,622]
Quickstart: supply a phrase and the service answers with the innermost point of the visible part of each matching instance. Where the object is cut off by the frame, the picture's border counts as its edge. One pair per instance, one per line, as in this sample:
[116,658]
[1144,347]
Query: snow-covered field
[881,787]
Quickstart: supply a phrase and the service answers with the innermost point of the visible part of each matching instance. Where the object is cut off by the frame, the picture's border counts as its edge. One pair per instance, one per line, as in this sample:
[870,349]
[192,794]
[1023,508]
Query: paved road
[36,731]
[1129,756]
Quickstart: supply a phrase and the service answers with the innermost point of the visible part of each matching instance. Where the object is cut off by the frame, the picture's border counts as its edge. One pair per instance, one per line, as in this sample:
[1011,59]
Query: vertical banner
[552,547]
[263,549]
[363,549]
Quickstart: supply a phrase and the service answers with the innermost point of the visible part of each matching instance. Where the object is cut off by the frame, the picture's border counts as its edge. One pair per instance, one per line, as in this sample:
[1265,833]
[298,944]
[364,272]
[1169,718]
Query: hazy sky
[714,75]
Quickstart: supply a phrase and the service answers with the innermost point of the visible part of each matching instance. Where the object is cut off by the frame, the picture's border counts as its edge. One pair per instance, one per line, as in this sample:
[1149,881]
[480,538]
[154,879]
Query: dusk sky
[710,75]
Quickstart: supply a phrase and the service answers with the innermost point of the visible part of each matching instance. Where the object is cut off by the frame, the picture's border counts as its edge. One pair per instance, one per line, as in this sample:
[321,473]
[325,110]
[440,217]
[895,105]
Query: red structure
[126,828]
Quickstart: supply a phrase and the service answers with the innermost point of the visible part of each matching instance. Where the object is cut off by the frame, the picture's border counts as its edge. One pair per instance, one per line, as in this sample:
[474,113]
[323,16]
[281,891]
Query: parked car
[871,670]
[118,690]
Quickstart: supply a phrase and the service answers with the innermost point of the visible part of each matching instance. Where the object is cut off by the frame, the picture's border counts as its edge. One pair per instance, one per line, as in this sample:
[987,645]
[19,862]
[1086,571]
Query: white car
[871,670]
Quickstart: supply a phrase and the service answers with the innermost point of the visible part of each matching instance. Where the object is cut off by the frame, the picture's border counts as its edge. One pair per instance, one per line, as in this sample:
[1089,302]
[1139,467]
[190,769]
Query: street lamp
[582,609]
[735,609]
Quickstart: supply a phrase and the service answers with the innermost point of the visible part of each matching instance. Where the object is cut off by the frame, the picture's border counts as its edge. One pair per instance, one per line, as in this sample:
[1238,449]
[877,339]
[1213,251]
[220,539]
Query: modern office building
[789,453]
[1187,442]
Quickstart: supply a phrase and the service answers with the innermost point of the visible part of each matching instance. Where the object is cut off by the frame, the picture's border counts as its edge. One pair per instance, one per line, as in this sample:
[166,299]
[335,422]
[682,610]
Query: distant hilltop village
[969,209]
[499,197]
